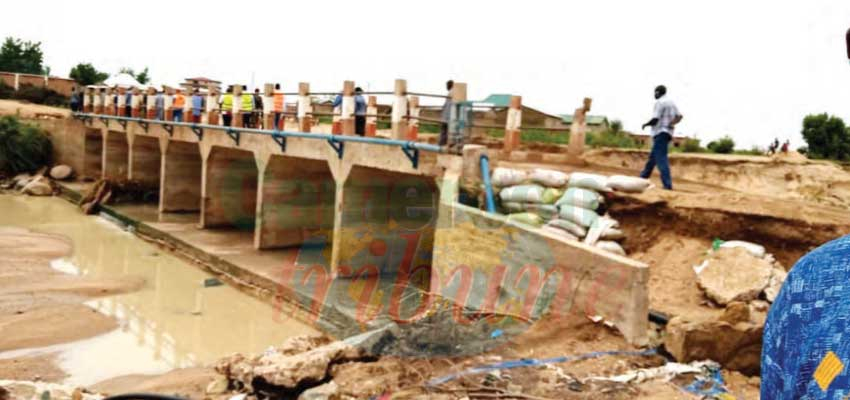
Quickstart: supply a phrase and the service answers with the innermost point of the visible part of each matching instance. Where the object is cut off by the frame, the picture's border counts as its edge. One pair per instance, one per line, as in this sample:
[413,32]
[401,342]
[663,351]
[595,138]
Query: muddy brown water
[174,321]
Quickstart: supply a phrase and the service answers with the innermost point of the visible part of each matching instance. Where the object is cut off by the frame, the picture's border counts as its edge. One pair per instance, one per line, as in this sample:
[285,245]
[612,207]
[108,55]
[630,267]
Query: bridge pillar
[212,105]
[180,178]
[413,128]
[347,108]
[229,189]
[372,119]
[399,115]
[92,154]
[513,125]
[145,160]
[386,224]
[305,107]
[116,155]
[295,202]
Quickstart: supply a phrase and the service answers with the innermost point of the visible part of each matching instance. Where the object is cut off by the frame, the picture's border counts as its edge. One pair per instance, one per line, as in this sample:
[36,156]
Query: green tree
[22,57]
[691,145]
[724,145]
[87,74]
[142,77]
[826,137]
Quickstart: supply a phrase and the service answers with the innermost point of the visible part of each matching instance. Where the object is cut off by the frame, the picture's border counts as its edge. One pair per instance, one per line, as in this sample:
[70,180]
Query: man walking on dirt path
[665,116]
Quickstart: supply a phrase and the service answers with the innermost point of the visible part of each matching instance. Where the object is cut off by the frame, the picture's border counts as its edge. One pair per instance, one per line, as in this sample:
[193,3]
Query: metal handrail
[405,144]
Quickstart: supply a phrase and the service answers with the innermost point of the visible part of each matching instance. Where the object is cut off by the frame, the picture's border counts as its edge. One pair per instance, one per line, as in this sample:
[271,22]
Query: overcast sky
[751,69]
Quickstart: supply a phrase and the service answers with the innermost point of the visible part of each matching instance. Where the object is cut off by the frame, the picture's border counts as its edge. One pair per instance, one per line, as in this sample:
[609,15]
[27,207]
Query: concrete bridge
[298,189]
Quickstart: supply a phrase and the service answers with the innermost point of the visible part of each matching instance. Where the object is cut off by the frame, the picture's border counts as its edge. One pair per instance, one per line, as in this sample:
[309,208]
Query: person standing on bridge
[359,112]
[178,104]
[277,106]
[160,105]
[665,116]
[247,107]
[197,106]
[226,106]
[258,109]
[446,114]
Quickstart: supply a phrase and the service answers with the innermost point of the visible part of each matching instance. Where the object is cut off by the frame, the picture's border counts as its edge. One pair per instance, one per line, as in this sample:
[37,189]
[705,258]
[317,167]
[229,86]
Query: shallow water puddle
[178,319]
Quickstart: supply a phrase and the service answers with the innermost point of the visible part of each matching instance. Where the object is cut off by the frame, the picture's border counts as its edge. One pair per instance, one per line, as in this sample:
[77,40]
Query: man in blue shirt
[197,106]
[359,110]
[806,343]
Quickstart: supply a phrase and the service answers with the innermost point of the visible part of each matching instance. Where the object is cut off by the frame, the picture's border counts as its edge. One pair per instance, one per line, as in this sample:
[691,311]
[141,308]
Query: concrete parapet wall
[485,262]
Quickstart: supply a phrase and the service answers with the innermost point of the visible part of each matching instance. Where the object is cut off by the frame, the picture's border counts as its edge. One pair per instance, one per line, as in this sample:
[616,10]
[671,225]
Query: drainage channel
[181,317]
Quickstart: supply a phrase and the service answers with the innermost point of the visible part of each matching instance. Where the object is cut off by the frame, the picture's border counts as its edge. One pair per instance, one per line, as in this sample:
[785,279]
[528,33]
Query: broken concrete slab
[777,278]
[38,187]
[301,361]
[730,340]
[734,274]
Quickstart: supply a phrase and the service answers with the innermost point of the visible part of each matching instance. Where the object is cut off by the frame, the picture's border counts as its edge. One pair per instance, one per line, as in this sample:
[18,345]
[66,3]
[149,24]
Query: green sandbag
[551,195]
[580,197]
[522,194]
[579,215]
[547,211]
[568,226]
[526,218]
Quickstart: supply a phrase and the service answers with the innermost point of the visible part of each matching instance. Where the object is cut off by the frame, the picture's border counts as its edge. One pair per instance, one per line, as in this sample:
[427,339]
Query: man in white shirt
[665,116]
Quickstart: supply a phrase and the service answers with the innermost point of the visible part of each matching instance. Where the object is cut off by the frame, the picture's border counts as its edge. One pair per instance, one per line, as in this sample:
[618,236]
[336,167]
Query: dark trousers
[444,133]
[178,115]
[360,125]
[226,118]
[277,125]
[658,157]
[246,119]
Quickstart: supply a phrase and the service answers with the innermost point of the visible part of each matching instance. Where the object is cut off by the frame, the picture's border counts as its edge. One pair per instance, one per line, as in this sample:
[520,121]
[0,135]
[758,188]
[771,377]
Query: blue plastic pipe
[488,188]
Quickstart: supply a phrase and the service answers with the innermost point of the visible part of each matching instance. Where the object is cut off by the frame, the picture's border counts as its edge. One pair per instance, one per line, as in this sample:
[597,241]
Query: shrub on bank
[23,147]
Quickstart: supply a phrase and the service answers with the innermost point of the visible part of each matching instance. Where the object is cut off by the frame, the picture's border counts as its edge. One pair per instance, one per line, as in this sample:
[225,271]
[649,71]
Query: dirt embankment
[784,176]
[41,306]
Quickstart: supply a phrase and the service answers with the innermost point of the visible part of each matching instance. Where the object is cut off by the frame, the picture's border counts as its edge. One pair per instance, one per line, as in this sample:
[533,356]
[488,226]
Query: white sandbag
[611,247]
[551,195]
[589,181]
[503,177]
[568,226]
[526,218]
[546,211]
[612,234]
[578,215]
[580,197]
[756,250]
[599,226]
[548,177]
[559,232]
[522,194]
[629,184]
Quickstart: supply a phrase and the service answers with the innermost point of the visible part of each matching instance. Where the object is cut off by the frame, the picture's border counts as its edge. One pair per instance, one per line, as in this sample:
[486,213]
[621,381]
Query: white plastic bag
[580,197]
[548,177]
[599,226]
[568,226]
[629,184]
[522,194]
[589,181]
[503,177]
[578,215]
[756,250]
[611,247]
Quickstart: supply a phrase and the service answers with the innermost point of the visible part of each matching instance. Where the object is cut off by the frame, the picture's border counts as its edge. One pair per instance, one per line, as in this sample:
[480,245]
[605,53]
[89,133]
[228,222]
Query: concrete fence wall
[62,86]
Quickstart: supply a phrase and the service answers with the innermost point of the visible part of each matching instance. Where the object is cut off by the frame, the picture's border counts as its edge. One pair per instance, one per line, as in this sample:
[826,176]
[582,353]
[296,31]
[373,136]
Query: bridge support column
[295,202]
[399,115]
[305,107]
[386,224]
[180,178]
[413,123]
[145,160]
[347,108]
[229,189]
[92,154]
[116,155]
[372,119]
[513,125]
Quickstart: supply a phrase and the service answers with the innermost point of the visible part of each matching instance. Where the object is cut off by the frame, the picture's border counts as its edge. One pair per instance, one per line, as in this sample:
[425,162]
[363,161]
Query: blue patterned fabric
[808,320]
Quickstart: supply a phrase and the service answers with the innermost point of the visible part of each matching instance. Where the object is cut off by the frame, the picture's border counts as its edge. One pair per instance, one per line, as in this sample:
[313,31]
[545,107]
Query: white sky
[751,69]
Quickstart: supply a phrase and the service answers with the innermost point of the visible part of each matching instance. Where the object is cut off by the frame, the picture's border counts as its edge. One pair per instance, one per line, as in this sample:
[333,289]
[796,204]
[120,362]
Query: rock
[736,312]
[735,346]
[38,187]
[733,274]
[777,278]
[61,172]
[21,180]
[219,385]
[300,359]
[322,392]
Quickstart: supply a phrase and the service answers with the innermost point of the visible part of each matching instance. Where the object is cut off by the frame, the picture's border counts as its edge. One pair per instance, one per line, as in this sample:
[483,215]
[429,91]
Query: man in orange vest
[177,105]
[277,106]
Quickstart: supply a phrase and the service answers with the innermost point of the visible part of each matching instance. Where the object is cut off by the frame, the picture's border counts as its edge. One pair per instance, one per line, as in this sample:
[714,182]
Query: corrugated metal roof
[589,119]
[497,100]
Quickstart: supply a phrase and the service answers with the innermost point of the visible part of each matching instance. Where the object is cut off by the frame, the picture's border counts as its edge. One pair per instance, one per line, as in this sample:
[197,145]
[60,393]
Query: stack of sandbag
[529,197]
[578,213]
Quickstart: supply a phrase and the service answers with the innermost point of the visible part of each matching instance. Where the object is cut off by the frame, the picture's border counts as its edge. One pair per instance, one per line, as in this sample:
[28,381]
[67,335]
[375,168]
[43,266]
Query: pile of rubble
[744,279]
[570,206]
[38,184]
